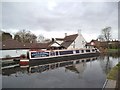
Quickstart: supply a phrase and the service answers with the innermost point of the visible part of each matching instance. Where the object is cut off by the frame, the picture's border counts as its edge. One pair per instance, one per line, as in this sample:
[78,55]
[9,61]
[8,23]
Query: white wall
[12,53]
[79,42]
[59,41]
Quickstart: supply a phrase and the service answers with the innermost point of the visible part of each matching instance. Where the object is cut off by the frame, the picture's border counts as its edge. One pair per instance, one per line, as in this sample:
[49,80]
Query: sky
[54,18]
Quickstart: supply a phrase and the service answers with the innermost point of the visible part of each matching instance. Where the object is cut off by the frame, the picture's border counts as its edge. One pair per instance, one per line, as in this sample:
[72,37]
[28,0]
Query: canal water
[80,73]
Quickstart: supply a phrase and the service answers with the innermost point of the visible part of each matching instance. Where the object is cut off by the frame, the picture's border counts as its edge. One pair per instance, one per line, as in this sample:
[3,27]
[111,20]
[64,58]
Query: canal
[80,73]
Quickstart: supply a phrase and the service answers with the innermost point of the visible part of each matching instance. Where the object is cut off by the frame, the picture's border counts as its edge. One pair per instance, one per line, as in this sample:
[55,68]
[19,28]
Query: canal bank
[112,78]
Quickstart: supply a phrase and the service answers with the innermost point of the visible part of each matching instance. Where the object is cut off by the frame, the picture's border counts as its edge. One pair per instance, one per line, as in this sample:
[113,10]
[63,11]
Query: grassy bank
[113,74]
[107,51]
[112,50]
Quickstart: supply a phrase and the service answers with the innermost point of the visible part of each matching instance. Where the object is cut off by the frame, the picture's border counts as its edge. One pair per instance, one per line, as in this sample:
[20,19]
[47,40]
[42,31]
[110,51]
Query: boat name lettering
[40,54]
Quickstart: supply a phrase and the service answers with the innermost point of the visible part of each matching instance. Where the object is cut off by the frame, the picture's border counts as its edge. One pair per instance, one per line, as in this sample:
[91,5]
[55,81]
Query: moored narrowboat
[57,54]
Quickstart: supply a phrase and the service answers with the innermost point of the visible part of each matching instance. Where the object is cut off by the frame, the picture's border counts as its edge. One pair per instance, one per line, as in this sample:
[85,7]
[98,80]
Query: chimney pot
[65,34]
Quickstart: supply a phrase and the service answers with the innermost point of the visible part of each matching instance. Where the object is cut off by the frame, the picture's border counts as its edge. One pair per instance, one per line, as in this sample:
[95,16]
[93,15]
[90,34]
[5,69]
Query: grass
[113,74]
[112,50]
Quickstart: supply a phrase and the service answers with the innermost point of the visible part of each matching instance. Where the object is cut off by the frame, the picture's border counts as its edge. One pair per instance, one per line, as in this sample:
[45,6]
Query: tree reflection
[106,60]
[106,64]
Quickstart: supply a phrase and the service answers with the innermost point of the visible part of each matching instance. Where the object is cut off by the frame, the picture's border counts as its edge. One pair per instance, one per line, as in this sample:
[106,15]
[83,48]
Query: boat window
[82,51]
[77,51]
[56,52]
[83,61]
[52,53]
[93,50]
[87,50]
[66,52]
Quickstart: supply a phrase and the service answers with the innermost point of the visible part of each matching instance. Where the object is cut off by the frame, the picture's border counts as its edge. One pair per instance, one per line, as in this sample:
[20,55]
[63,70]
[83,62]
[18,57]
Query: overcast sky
[53,18]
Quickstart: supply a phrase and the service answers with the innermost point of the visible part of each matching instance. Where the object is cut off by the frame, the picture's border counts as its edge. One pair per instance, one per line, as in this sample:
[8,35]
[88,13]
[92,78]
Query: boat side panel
[63,58]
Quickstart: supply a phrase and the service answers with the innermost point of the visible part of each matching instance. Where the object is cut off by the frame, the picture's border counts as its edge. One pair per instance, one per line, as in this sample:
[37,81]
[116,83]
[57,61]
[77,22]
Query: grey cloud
[88,16]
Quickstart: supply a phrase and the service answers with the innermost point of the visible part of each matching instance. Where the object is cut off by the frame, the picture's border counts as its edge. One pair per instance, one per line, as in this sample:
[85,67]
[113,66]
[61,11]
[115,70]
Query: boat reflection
[73,65]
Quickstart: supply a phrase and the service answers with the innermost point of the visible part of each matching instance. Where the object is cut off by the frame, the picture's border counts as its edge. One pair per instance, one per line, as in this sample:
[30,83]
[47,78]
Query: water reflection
[80,73]
[73,65]
[106,64]
[111,54]
[108,61]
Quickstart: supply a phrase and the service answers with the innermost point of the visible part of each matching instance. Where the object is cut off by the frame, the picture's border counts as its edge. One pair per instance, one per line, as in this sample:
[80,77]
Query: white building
[75,41]
[78,43]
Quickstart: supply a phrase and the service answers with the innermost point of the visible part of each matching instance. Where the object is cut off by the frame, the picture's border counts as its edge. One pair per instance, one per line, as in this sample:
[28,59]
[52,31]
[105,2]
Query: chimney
[79,31]
[65,34]
[53,39]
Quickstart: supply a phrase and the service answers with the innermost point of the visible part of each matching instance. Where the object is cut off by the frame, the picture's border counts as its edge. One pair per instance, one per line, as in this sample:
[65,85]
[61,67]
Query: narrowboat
[35,55]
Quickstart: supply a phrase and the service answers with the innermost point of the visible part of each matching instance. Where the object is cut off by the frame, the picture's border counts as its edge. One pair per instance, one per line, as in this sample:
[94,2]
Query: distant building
[93,44]
[103,45]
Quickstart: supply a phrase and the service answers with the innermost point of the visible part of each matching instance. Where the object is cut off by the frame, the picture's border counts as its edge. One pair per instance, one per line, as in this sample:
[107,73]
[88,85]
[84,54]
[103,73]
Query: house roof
[13,44]
[59,39]
[10,43]
[68,40]
[89,44]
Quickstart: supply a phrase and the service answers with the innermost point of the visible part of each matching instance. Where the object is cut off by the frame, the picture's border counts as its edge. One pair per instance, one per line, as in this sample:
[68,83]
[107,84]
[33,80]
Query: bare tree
[100,38]
[106,32]
[25,36]
[40,38]
[17,37]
